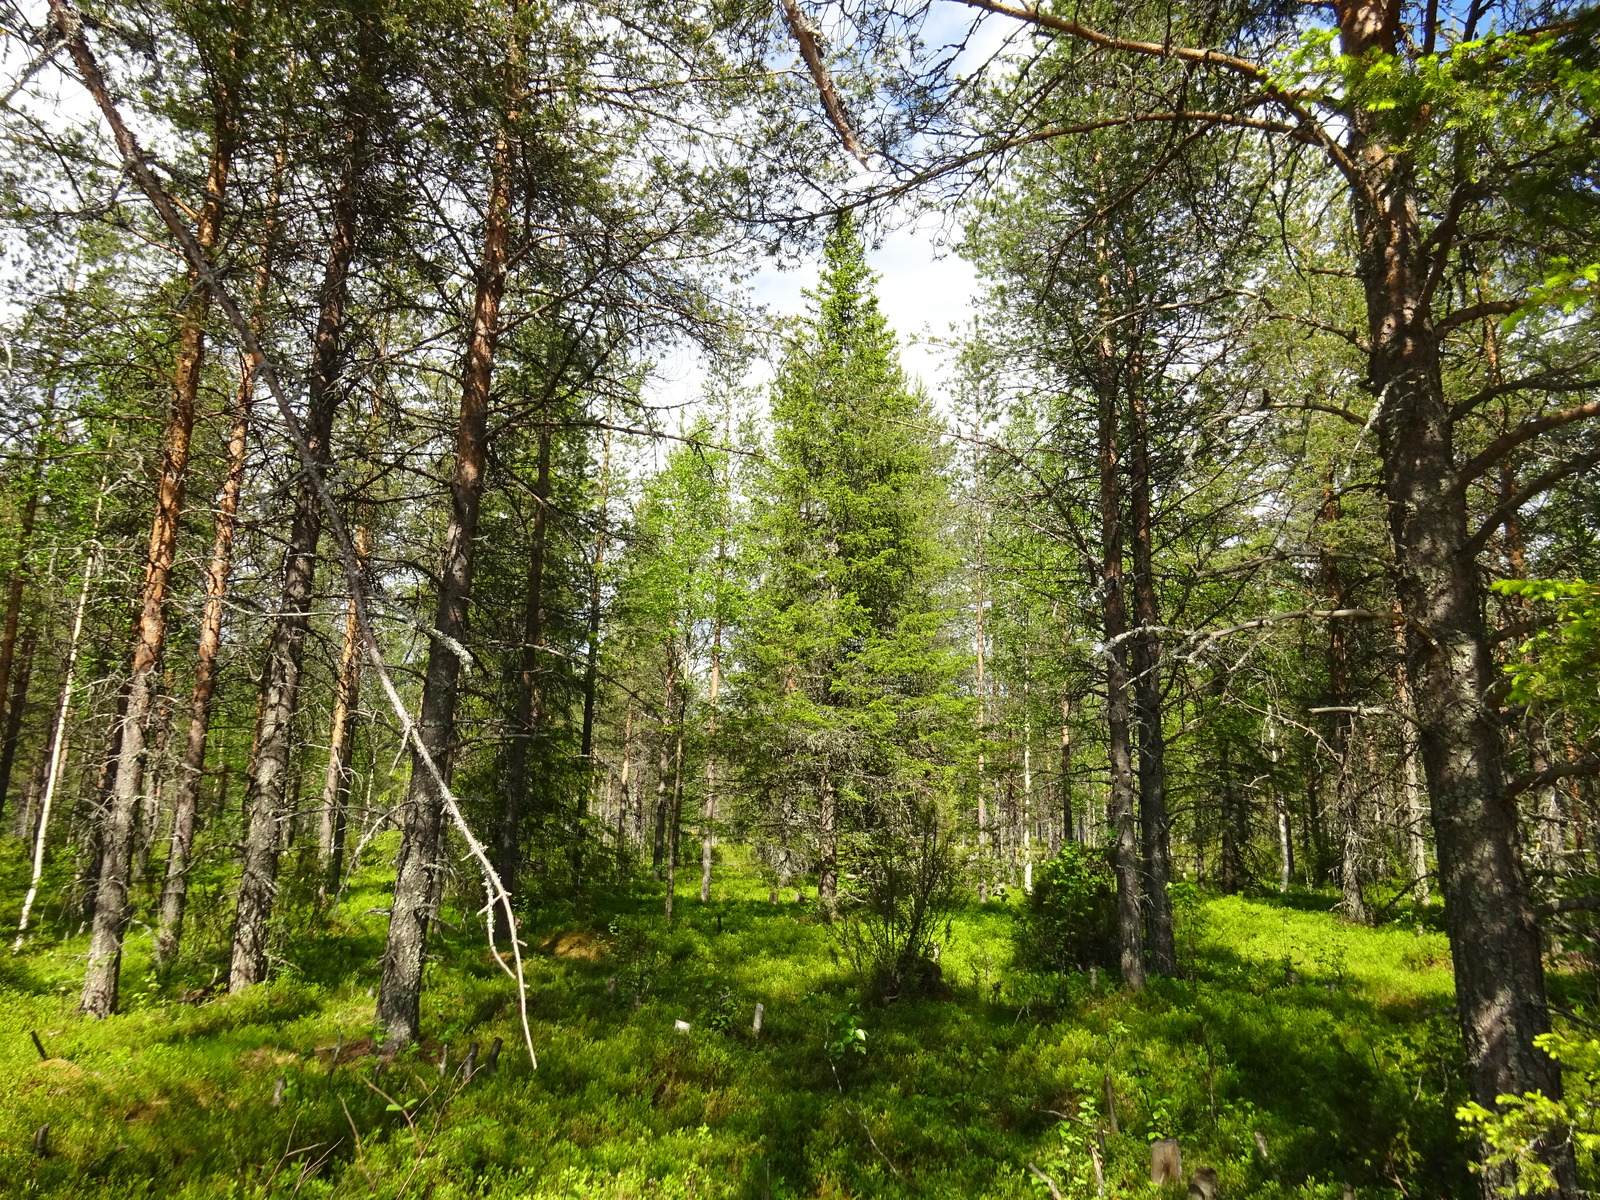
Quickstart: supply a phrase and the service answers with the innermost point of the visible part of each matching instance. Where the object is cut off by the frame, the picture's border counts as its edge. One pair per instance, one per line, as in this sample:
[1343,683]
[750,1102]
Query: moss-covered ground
[1295,1055]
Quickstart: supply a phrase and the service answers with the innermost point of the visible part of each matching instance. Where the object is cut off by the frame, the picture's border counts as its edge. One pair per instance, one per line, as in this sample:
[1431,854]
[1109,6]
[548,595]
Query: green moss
[1333,1043]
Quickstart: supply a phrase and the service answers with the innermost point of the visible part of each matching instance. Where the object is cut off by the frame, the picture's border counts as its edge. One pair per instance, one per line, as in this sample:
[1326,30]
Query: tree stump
[1166,1164]
[1203,1184]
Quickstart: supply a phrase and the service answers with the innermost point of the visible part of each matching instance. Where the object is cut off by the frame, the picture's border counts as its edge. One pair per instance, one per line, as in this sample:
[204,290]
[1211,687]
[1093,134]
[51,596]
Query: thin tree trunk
[658,849]
[280,692]
[625,785]
[674,838]
[708,812]
[1154,830]
[1120,803]
[828,866]
[58,735]
[979,646]
[1069,828]
[591,665]
[334,812]
[528,717]
[1347,788]
[175,889]
[117,836]
[1027,808]
[12,699]
[1410,779]
[15,708]
[418,873]
[1280,806]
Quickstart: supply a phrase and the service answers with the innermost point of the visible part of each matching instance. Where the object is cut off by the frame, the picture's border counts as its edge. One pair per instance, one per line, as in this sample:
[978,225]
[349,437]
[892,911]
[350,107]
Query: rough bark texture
[1114,612]
[1494,939]
[117,836]
[1155,834]
[417,875]
[175,888]
[269,771]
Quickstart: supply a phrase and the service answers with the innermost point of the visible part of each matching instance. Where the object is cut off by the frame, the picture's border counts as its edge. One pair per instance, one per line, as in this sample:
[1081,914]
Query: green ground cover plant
[1294,1055]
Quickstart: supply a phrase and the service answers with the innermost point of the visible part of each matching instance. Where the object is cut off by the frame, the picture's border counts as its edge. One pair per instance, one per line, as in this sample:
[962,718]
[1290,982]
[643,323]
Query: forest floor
[1335,1045]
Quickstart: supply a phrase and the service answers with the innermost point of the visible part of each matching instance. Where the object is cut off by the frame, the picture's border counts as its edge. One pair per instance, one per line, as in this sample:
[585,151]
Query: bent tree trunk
[1494,939]
[269,772]
[118,822]
[416,887]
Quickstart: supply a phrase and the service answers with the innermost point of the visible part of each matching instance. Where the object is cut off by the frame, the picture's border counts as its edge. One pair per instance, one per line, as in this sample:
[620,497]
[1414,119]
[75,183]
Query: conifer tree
[843,647]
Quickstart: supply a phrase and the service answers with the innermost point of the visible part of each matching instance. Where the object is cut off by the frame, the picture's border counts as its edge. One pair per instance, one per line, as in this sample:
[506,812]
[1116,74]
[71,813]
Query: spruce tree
[846,678]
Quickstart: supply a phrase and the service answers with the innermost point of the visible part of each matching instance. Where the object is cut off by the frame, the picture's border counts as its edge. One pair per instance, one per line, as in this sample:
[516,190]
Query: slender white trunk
[58,736]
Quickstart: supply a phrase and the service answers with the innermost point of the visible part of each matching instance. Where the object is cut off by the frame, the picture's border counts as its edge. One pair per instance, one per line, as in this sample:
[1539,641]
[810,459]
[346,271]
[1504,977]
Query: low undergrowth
[1294,1056]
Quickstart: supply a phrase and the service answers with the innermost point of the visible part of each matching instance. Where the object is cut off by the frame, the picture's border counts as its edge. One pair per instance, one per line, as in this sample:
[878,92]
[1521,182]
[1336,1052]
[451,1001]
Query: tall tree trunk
[624,787]
[1069,828]
[1280,808]
[56,753]
[1114,611]
[658,849]
[280,691]
[1494,936]
[1416,815]
[1154,829]
[333,816]
[11,698]
[674,837]
[1347,785]
[417,875]
[979,645]
[828,864]
[117,836]
[175,888]
[591,648]
[708,812]
[527,720]
[15,708]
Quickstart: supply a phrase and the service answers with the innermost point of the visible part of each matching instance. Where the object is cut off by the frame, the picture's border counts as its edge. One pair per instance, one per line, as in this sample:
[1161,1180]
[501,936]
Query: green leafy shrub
[1521,1132]
[1070,921]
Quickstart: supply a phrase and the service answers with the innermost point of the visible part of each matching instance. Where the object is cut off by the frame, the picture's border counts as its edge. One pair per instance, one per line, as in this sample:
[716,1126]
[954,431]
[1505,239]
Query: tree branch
[1589,764]
[806,38]
[1547,381]
[1475,312]
[1514,437]
[1535,487]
